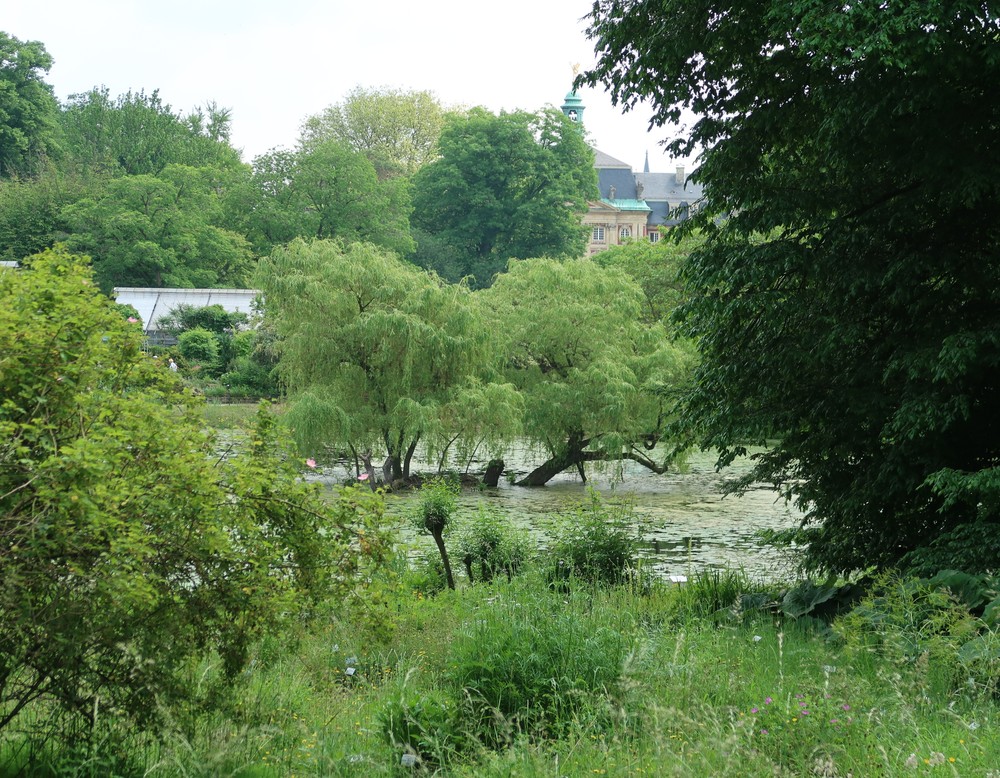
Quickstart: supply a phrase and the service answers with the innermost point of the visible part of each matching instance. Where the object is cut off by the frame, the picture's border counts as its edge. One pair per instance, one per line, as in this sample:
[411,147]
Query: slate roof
[616,183]
[152,304]
[664,186]
[656,193]
[602,160]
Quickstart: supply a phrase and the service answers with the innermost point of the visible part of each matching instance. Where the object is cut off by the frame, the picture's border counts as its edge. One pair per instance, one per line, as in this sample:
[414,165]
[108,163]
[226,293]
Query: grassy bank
[520,679]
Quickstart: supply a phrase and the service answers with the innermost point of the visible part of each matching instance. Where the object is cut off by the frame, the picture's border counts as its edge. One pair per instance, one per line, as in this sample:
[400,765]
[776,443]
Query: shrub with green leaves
[596,545]
[201,349]
[915,623]
[489,546]
[127,547]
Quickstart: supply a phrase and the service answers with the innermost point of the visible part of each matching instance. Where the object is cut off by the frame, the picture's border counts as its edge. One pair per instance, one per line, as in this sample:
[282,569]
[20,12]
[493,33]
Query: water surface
[683,521]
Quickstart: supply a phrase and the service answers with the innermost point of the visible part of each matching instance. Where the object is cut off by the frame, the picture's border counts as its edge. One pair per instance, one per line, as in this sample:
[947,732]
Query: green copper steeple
[573,107]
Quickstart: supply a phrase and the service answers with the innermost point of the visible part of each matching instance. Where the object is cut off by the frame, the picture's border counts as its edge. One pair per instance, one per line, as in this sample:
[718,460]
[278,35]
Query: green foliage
[803,598]
[31,212]
[322,191]
[972,546]
[513,185]
[27,107]
[597,381]
[597,545]
[200,347]
[656,268]
[425,724]
[437,502]
[489,546]
[137,134]
[528,666]
[723,595]
[128,547]
[373,349]
[922,625]
[846,299]
[159,230]
[396,129]
[814,723]
[213,318]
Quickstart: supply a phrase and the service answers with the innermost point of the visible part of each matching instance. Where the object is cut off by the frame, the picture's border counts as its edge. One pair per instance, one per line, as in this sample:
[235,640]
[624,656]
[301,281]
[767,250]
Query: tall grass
[518,678]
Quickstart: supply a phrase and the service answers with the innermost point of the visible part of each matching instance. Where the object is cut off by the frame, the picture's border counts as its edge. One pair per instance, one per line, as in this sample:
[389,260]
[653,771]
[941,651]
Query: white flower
[829,669]
[757,638]
[911,762]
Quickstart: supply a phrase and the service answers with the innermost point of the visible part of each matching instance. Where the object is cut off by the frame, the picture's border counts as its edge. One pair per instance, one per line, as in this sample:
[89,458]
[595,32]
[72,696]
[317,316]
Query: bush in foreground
[128,547]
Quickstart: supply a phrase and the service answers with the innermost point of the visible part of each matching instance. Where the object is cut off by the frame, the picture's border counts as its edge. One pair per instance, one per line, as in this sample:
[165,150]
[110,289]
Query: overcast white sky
[276,62]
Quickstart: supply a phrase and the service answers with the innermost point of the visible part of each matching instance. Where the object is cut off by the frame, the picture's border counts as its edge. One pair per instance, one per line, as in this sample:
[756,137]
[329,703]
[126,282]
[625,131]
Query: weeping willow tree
[597,381]
[377,354]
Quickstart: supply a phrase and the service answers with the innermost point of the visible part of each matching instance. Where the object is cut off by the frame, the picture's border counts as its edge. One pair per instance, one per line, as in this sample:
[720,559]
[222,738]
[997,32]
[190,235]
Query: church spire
[645,168]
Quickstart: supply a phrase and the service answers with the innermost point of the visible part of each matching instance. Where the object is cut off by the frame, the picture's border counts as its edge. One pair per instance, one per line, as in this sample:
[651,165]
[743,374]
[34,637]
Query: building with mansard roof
[632,205]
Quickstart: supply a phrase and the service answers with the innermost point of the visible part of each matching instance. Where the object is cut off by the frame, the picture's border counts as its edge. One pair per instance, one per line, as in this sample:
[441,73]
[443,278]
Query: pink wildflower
[311,463]
[363,477]
[132,320]
[768,700]
[753,710]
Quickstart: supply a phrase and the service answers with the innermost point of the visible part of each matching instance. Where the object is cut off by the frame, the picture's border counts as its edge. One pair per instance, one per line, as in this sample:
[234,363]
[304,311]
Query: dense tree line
[158,197]
[381,356]
[846,300]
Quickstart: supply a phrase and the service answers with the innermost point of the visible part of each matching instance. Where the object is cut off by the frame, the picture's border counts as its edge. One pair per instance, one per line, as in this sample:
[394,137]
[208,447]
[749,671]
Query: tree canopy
[396,129]
[325,190]
[159,230]
[138,134]
[513,185]
[849,302]
[27,106]
[596,380]
[375,350]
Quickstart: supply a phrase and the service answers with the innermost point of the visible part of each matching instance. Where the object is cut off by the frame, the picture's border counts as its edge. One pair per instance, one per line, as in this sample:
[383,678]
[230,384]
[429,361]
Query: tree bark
[575,456]
[439,540]
[493,472]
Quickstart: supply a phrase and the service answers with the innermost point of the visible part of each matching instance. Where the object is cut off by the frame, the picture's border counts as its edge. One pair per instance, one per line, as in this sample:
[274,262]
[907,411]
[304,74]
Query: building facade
[632,205]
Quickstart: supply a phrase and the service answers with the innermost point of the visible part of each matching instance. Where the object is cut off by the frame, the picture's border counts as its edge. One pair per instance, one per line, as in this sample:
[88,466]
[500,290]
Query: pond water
[682,519]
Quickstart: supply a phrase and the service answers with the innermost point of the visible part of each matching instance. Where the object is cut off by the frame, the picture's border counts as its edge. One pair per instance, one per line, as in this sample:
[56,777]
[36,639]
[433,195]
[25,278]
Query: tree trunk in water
[409,455]
[546,471]
[366,460]
[493,472]
[439,540]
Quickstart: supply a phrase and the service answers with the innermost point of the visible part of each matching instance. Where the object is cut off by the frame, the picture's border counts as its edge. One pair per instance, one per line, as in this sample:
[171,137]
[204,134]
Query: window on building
[654,236]
[598,234]
[625,232]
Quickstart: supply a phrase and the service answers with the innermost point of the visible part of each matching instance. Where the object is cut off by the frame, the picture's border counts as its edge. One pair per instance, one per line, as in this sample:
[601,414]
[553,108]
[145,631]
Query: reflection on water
[682,519]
